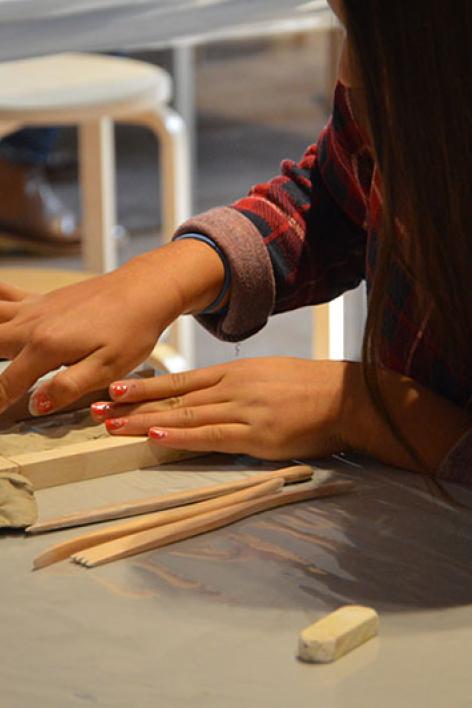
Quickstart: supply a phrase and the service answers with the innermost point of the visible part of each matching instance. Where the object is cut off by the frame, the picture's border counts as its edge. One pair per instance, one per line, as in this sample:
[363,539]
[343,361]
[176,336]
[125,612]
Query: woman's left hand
[273,408]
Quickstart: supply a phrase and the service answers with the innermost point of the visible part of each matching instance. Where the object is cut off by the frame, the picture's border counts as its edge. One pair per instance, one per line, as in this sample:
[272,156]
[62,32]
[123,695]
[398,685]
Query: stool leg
[171,133]
[170,130]
[183,74]
[97,180]
[338,326]
[320,332]
[355,315]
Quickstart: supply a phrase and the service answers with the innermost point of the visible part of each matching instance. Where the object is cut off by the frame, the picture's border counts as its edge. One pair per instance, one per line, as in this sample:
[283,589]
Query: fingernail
[115,423]
[119,389]
[100,409]
[40,403]
[157,434]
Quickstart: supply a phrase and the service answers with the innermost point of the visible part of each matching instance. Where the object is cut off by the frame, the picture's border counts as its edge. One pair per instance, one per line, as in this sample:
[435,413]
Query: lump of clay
[18,507]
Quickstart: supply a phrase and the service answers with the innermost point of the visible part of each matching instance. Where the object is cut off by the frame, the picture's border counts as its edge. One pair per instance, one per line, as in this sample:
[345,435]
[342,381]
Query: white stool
[92,92]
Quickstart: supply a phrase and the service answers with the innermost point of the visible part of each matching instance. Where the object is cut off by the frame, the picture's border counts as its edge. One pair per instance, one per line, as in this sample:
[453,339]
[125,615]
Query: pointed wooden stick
[296,473]
[147,521]
[158,537]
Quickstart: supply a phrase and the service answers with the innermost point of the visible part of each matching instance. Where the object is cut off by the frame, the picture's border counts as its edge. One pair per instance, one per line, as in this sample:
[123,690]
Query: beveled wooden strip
[92,459]
[7,465]
[297,473]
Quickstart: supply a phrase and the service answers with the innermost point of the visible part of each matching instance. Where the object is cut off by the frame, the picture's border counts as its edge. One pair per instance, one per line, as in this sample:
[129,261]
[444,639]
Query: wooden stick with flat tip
[295,473]
[171,533]
[147,521]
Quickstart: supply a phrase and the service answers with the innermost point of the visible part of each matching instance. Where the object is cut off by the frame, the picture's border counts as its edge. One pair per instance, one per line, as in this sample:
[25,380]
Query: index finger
[70,384]
[165,386]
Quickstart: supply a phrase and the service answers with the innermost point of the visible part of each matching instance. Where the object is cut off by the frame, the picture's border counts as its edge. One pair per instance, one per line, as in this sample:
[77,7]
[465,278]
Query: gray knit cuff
[252,280]
[457,465]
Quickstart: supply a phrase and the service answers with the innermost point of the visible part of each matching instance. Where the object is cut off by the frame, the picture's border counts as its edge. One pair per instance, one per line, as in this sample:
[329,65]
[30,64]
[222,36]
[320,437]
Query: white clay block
[337,634]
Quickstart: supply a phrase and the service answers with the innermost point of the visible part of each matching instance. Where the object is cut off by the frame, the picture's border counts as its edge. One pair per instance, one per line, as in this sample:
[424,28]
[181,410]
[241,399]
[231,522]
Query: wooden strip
[298,473]
[160,518]
[92,459]
[171,533]
[7,465]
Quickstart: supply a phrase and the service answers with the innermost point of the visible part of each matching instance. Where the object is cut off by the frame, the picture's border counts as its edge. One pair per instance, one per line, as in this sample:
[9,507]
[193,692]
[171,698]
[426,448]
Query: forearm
[430,423]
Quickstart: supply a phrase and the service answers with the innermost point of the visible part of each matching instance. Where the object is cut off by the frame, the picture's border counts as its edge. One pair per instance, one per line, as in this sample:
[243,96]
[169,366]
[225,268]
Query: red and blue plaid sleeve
[312,216]
[298,239]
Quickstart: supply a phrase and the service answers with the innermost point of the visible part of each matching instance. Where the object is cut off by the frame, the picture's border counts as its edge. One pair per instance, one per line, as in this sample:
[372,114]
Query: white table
[32,27]
[35,27]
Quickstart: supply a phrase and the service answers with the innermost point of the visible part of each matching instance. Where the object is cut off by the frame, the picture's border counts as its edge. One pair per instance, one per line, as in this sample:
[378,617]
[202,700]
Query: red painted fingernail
[118,390]
[115,423]
[40,403]
[157,434]
[100,409]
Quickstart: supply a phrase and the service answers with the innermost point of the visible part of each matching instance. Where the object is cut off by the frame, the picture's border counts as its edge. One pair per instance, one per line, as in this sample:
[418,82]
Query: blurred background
[258,101]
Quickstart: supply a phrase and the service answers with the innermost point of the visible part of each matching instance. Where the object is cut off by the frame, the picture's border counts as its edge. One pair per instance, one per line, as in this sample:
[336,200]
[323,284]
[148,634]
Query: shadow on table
[399,542]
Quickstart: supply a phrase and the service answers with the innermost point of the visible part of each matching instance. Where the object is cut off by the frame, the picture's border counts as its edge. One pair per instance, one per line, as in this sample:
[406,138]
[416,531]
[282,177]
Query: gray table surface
[213,621]
[33,27]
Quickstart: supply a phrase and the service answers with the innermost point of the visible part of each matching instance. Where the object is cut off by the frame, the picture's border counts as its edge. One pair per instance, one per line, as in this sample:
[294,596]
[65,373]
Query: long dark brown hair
[414,61]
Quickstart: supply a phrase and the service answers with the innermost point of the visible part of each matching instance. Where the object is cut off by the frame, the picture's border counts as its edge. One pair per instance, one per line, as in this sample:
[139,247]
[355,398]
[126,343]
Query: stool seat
[49,88]
[93,92]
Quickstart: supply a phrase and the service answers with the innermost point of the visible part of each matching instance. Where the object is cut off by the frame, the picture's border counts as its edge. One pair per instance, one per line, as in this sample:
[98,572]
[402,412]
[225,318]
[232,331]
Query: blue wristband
[215,307]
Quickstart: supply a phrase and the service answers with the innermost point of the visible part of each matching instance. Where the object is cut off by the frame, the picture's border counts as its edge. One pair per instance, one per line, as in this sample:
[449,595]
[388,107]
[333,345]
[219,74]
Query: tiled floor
[258,103]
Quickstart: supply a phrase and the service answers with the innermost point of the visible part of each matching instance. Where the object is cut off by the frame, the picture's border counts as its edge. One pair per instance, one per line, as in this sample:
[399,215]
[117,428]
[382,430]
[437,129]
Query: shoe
[32,217]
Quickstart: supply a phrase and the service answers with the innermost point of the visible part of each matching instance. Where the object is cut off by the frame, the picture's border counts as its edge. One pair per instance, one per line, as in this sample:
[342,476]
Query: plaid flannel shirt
[309,235]
[319,221]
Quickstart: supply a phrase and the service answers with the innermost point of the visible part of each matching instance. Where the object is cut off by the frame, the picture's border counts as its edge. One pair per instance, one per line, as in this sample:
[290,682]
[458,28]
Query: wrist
[189,274]
[217,306]
[429,423]
[153,285]
[348,427]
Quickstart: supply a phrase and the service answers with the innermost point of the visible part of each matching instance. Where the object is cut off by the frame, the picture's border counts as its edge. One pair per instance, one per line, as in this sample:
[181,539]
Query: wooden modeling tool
[337,634]
[297,473]
[159,518]
[187,528]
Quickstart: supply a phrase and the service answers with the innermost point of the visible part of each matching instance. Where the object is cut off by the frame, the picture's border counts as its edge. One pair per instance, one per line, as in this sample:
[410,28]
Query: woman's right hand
[101,328]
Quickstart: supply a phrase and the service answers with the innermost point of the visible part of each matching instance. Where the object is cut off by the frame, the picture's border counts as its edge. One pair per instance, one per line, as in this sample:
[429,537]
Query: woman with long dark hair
[383,196]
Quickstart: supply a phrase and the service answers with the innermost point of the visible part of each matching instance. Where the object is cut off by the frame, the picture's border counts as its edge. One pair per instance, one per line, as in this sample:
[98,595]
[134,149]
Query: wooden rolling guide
[79,461]
[91,459]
